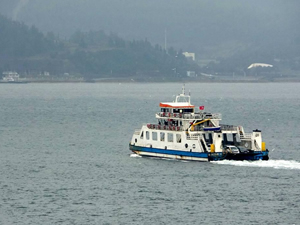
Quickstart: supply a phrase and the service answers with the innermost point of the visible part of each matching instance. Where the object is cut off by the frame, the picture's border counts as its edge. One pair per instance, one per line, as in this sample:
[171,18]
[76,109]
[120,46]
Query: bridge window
[176,111]
[164,110]
[147,135]
[178,138]
[188,110]
[142,135]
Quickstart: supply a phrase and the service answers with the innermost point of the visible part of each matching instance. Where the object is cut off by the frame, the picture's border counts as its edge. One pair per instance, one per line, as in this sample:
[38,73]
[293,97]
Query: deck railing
[164,127]
[228,127]
[246,136]
[190,115]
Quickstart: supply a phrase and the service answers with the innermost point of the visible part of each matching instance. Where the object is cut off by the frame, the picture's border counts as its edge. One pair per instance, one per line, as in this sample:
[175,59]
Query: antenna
[165,40]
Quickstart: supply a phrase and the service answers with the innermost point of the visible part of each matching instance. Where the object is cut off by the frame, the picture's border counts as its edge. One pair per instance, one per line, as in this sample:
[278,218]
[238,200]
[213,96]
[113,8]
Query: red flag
[201,107]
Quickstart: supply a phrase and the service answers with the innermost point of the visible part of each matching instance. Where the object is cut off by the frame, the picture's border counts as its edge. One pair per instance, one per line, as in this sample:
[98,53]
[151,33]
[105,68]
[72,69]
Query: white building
[254,65]
[191,73]
[189,55]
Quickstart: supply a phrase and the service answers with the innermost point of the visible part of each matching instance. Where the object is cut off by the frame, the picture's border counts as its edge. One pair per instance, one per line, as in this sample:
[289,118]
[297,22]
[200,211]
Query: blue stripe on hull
[202,156]
[169,152]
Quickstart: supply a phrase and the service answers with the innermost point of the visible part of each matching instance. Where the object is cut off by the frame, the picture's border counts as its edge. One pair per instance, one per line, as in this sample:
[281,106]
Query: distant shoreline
[118,80]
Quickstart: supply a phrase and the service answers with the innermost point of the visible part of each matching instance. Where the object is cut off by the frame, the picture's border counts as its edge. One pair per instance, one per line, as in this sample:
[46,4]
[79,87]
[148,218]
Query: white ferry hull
[170,154]
[196,156]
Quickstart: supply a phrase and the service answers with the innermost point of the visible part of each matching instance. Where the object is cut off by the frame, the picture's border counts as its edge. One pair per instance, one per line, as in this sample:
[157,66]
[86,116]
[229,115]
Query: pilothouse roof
[181,101]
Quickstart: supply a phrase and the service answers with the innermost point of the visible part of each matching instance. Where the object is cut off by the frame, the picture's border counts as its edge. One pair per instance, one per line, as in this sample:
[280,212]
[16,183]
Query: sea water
[65,157]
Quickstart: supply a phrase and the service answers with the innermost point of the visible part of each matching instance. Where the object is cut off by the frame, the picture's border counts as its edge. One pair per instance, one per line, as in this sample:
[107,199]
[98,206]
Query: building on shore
[190,55]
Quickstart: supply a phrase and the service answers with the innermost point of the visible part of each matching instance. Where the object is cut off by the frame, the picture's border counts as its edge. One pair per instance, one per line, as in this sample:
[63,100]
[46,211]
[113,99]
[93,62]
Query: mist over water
[65,157]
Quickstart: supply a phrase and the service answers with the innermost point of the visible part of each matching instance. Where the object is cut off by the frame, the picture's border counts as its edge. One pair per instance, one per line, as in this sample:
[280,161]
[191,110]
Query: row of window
[166,110]
[161,135]
[169,137]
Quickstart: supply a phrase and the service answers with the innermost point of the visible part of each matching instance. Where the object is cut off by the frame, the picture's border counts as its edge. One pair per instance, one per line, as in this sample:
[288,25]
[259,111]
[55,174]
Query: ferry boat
[10,77]
[183,133]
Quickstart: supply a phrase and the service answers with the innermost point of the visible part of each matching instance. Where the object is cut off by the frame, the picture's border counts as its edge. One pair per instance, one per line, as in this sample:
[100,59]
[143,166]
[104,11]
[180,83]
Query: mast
[166,41]
[183,96]
[183,89]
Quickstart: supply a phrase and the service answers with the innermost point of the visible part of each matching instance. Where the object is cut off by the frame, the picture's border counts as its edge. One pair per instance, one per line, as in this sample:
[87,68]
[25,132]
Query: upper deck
[182,108]
[176,105]
[189,116]
[182,104]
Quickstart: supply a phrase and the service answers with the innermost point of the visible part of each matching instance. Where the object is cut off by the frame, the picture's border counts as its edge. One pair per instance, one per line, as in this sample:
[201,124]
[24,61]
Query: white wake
[133,155]
[276,164]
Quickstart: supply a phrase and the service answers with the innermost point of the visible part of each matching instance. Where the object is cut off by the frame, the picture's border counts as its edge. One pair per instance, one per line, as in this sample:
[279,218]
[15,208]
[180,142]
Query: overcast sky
[190,24]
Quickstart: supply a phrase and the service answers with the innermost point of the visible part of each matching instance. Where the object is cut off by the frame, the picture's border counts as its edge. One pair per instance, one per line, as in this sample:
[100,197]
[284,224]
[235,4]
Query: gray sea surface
[65,157]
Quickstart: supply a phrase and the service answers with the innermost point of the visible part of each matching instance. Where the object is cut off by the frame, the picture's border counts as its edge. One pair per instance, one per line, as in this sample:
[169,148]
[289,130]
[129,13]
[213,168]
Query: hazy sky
[190,24]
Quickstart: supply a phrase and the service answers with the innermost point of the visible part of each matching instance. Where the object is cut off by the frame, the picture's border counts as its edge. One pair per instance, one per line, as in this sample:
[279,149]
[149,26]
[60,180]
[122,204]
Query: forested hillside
[92,54]
[18,40]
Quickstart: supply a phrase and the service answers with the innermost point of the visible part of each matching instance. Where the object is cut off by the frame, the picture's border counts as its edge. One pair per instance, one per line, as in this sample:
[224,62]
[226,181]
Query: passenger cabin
[176,107]
[174,113]
[182,104]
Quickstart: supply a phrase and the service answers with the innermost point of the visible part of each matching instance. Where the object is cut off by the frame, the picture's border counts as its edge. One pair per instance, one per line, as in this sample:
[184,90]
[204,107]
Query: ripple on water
[65,157]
